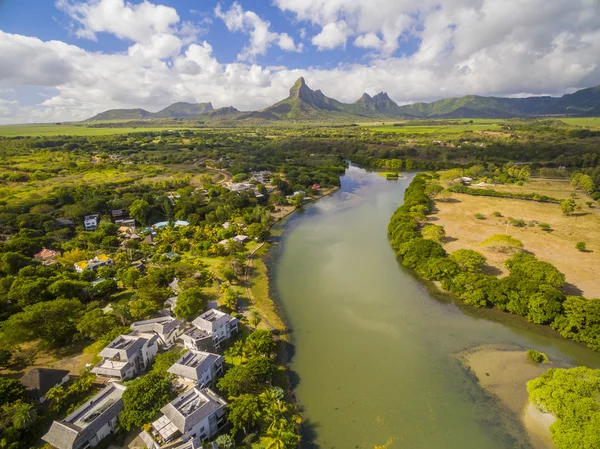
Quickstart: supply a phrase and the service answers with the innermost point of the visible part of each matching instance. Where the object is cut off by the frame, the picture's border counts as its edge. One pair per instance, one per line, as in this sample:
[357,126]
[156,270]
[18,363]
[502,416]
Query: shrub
[480,216]
[516,222]
[503,243]
[496,214]
[545,227]
[536,356]
[580,246]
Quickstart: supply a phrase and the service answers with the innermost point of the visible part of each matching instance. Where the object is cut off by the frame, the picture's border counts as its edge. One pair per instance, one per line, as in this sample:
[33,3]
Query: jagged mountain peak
[382,96]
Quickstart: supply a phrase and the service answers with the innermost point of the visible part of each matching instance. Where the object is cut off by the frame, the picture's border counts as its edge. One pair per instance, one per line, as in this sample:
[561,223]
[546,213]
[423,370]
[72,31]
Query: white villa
[218,325]
[90,222]
[167,328]
[90,423]
[197,415]
[198,367]
[126,356]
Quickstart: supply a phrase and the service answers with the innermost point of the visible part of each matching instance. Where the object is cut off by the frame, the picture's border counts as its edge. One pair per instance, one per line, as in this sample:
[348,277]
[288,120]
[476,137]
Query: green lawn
[69,130]
[592,122]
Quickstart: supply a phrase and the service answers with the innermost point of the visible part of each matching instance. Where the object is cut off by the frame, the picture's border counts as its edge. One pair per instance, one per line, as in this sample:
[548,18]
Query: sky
[63,60]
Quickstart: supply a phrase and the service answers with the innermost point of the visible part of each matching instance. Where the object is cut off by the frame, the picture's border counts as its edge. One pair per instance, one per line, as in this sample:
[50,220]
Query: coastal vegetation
[533,288]
[571,396]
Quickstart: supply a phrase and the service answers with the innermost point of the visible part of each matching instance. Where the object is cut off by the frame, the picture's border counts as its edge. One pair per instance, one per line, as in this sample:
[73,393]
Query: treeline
[460,188]
[533,288]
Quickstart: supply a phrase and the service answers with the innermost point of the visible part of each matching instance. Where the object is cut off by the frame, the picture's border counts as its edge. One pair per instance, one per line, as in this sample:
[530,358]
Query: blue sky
[69,59]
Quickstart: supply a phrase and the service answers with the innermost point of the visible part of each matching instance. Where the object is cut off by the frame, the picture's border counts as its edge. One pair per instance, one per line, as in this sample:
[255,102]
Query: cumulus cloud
[261,37]
[332,35]
[486,47]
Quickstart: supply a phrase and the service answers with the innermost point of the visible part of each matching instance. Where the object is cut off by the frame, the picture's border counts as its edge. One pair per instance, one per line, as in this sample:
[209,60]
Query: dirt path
[228,176]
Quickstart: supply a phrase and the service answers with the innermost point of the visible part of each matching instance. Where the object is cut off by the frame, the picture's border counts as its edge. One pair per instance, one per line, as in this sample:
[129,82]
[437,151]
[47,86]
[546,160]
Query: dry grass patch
[463,230]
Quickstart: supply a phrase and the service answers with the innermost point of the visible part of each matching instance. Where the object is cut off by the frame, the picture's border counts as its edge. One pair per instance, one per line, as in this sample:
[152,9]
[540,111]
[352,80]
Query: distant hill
[122,114]
[184,110]
[303,103]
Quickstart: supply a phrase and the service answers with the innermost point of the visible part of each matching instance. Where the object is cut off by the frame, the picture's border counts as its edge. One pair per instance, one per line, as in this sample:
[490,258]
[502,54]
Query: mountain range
[303,103]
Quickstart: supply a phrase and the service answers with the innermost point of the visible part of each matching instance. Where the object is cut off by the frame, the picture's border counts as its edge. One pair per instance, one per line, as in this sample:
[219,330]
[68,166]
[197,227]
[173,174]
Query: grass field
[591,122]
[68,130]
[557,246]
[437,129]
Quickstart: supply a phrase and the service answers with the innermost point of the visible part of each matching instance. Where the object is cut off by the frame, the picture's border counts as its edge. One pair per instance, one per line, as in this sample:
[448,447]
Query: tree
[433,232]
[12,262]
[130,276]
[257,231]
[143,399]
[244,412]
[5,357]
[56,396]
[140,210]
[580,246]
[190,303]
[251,377]
[261,343]
[24,415]
[163,361]
[468,260]
[568,206]
[236,350]
[225,442]
[419,250]
[54,322]
[11,390]
[142,308]
[255,318]
[95,323]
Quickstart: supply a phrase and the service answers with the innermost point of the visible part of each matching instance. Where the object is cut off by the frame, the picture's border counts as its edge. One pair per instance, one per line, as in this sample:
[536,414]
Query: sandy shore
[503,372]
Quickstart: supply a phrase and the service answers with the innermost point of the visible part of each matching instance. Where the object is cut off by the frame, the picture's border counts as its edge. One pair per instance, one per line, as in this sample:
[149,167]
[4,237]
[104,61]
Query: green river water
[374,349]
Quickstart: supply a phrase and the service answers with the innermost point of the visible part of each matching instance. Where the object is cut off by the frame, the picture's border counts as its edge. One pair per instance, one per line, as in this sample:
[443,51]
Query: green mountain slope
[304,103]
[122,114]
[184,110]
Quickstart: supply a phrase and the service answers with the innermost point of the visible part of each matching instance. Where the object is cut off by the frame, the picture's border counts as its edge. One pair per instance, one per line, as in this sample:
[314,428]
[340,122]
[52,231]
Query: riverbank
[503,372]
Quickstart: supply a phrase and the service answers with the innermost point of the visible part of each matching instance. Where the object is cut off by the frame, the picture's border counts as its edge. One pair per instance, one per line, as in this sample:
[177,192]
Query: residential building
[218,325]
[126,356]
[46,256]
[197,339]
[240,187]
[38,381]
[90,423]
[167,328]
[199,367]
[196,415]
[240,238]
[117,214]
[90,222]
[93,264]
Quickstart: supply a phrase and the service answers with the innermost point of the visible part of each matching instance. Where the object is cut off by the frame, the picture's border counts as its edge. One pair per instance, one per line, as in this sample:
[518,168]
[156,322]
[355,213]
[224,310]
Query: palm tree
[281,436]
[237,350]
[255,318]
[56,395]
[24,415]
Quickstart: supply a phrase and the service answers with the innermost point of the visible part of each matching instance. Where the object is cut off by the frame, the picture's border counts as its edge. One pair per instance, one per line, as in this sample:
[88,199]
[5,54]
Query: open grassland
[559,189]
[557,246]
[436,129]
[586,122]
[69,130]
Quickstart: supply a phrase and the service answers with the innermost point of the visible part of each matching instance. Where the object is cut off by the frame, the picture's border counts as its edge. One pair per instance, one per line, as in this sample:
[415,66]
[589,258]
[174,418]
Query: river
[373,348]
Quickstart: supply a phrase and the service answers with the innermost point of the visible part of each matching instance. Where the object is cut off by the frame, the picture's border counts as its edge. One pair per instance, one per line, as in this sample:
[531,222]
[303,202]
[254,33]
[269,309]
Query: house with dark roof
[218,325]
[38,381]
[90,423]
[196,415]
[167,328]
[126,356]
[198,339]
[199,367]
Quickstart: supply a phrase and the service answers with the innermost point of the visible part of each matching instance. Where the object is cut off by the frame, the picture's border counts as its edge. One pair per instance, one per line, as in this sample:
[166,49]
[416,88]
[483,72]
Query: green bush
[537,357]
[496,214]
[480,216]
[580,246]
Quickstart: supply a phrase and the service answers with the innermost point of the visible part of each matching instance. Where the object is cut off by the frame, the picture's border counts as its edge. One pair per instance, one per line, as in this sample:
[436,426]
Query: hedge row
[460,188]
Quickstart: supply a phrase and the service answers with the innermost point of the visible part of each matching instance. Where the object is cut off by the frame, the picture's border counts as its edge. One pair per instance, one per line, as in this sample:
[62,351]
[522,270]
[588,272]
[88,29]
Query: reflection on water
[374,350]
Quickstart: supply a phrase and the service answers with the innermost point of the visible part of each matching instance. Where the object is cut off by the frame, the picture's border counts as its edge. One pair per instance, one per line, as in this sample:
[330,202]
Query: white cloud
[369,40]
[261,38]
[485,47]
[332,35]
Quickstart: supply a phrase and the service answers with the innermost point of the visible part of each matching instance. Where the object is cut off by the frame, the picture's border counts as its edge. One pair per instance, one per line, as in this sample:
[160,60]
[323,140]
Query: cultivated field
[586,122]
[582,269]
[68,130]
[436,129]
